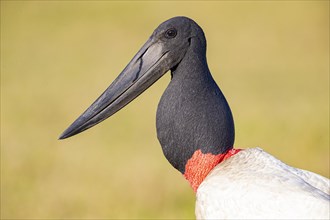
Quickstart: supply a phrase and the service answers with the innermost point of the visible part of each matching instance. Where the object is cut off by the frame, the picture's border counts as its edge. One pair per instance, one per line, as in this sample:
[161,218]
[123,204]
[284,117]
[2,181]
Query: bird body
[195,128]
[253,184]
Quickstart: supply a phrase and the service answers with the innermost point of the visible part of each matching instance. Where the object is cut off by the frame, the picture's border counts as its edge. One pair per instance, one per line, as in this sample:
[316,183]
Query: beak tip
[72,130]
[62,136]
[66,134]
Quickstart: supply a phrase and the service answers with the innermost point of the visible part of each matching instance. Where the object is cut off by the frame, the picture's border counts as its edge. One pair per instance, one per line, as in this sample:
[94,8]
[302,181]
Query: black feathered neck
[193,114]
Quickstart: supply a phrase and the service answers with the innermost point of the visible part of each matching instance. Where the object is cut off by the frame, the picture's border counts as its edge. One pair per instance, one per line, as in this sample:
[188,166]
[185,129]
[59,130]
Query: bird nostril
[189,40]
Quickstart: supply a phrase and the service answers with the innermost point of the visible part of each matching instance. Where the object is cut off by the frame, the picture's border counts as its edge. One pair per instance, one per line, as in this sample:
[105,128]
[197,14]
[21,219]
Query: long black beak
[146,67]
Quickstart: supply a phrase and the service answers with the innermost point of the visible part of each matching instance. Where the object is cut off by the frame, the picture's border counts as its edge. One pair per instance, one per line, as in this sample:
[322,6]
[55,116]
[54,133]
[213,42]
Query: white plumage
[255,185]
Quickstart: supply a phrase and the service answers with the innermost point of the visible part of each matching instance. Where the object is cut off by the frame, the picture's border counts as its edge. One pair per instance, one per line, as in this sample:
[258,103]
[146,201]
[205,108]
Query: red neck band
[199,166]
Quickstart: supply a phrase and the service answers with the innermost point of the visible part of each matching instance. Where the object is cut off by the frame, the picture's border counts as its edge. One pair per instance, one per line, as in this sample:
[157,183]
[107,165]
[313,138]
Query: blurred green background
[271,60]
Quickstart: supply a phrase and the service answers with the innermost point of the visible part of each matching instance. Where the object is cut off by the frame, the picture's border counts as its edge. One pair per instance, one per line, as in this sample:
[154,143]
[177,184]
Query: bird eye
[170,33]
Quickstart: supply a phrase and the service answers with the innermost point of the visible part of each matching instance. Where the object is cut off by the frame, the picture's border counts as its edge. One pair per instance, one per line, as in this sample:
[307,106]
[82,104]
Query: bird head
[162,52]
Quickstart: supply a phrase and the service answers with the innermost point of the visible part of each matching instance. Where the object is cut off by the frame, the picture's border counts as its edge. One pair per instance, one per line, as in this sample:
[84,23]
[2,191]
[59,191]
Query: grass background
[270,58]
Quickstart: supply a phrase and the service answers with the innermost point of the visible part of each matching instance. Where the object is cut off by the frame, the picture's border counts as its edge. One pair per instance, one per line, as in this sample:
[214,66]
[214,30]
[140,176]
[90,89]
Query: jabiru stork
[195,128]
